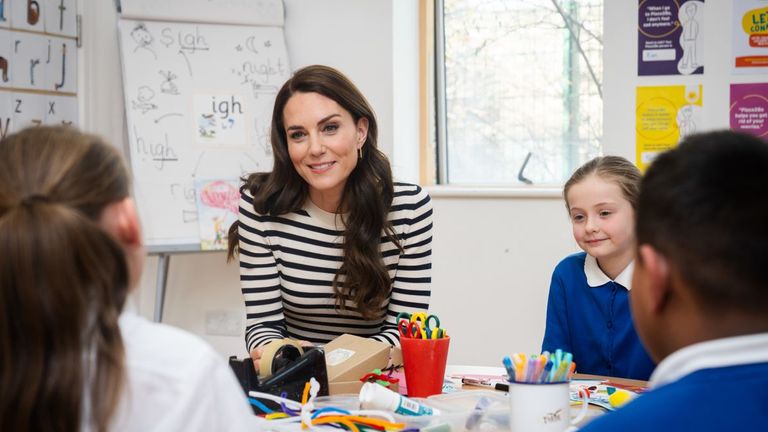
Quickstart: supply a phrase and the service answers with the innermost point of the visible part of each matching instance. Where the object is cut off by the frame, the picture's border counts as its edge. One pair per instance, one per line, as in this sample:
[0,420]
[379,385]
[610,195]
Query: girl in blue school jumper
[701,290]
[588,307]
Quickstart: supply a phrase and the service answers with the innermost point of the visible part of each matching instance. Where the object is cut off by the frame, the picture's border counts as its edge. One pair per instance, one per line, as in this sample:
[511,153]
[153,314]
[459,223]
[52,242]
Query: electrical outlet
[223,323]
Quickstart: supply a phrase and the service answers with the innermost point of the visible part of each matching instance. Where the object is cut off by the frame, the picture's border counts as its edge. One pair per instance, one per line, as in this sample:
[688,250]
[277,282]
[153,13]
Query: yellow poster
[664,115]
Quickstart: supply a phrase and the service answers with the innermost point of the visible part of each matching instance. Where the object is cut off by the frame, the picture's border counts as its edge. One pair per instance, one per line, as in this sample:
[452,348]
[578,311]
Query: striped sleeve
[259,279]
[411,217]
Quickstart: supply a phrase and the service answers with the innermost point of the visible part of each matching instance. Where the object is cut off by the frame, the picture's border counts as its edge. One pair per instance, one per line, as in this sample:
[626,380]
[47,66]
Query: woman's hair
[610,168]
[367,195]
[63,281]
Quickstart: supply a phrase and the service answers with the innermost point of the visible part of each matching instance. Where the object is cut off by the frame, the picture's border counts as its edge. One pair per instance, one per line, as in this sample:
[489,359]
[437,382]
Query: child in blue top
[700,291]
[588,310]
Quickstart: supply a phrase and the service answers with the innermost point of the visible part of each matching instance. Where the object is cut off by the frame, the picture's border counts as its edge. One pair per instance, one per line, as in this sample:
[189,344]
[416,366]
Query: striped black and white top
[288,262]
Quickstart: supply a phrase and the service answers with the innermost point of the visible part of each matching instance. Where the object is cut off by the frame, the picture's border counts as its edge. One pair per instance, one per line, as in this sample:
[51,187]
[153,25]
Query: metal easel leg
[163,261]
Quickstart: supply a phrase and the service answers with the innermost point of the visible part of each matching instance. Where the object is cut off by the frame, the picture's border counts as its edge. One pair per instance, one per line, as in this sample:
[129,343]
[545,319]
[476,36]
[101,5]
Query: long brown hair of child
[63,281]
[611,168]
[367,195]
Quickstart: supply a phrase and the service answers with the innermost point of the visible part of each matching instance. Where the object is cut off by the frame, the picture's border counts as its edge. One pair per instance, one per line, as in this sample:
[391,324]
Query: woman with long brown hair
[70,251]
[328,243]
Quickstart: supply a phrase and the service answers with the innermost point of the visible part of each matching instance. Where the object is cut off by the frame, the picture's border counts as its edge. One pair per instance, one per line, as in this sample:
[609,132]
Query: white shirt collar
[596,277]
[732,351]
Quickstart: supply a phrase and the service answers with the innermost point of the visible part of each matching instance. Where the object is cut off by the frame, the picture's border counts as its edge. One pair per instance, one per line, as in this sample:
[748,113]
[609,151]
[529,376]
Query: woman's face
[323,142]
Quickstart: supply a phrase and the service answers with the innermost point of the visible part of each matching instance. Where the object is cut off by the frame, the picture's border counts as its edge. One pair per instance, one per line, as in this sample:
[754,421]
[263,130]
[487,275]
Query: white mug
[544,407]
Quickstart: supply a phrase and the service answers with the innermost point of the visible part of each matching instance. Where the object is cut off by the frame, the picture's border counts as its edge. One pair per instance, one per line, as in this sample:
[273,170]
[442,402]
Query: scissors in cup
[411,330]
[428,323]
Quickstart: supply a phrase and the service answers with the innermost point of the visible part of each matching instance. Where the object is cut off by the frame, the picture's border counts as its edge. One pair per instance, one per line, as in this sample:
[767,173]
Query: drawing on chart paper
[143,39]
[168,116]
[260,78]
[217,202]
[191,116]
[220,119]
[250,44]
[154,151]
[168,86]
[143,101]
[206,126]
[186,40]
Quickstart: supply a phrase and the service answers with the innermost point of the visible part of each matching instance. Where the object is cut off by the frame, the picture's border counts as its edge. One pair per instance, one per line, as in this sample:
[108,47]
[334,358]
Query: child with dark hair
[700,288]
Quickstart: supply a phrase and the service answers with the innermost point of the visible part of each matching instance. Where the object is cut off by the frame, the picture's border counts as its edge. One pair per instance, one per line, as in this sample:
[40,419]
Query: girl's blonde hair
[610,168]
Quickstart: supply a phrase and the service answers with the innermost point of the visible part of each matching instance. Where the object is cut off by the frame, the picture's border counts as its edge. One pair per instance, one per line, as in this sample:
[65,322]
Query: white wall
[492,260]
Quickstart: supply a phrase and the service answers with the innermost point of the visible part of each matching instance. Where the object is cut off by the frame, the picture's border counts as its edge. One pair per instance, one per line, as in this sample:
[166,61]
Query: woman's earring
[359,152]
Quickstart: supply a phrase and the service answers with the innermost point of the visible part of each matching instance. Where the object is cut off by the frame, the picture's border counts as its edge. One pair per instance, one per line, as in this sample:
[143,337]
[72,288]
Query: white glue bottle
[375,396]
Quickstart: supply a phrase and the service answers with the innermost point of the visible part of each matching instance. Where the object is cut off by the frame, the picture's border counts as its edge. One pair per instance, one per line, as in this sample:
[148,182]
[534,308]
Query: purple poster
[749,109]
[669,37]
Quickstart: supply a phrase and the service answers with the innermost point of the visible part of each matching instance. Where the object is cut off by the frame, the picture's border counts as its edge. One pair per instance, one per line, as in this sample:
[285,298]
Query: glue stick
[374,396]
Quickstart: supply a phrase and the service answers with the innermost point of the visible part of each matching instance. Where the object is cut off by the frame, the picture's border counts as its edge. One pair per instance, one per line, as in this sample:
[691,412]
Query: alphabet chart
[198,101]
[38,63]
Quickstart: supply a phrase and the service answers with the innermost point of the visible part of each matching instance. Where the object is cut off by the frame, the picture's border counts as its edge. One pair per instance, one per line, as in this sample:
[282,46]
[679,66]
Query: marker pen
[500,386]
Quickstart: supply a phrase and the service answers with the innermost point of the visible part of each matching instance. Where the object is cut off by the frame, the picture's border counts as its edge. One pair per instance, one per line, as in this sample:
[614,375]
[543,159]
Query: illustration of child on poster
[664,116]
[670,37]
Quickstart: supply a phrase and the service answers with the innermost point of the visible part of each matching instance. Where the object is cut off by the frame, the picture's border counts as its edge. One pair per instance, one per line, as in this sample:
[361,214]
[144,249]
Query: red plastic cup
[424,361]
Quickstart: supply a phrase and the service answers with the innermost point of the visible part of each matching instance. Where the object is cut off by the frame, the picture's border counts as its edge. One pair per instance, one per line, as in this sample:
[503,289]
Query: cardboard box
[348,358]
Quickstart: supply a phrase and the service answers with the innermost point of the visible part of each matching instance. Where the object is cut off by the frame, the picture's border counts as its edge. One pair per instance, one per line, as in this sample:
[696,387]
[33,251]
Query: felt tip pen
[544,377]
[489,384]
[562,370]
[510,369]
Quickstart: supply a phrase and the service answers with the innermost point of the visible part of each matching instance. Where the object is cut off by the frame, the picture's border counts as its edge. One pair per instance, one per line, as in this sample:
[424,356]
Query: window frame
[437,96]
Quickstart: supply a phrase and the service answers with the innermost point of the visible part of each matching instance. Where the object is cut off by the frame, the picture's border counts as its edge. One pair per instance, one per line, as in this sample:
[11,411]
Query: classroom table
[593,411]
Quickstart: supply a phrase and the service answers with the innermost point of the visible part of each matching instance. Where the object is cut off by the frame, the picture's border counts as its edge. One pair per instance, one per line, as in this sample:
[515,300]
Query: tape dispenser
[285,366]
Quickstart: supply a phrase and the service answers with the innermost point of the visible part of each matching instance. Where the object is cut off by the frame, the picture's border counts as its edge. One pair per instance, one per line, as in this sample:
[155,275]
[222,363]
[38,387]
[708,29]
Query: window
[520,85]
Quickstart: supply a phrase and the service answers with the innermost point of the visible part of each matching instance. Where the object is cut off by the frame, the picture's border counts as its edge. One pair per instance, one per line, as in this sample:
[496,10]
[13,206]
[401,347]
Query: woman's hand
[256,356]
[257,352]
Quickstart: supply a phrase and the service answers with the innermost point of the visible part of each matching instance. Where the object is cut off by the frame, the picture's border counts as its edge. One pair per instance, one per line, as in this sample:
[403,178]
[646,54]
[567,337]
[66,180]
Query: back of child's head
[612,169]
[704,207]
[63,280]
